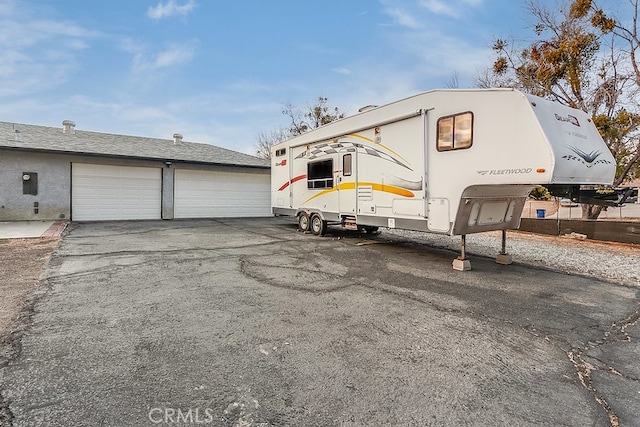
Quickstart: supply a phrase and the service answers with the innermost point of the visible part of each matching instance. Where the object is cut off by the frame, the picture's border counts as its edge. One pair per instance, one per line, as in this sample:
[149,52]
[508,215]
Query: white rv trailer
[447,161]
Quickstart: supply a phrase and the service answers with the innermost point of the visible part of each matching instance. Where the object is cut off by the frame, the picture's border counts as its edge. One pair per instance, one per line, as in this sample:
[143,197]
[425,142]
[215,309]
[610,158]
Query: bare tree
[266,140]
[301,121]
[453,82]
[312,117]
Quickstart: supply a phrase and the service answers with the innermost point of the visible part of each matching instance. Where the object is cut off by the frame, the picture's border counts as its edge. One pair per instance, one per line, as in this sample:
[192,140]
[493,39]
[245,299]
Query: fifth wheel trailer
[446,161]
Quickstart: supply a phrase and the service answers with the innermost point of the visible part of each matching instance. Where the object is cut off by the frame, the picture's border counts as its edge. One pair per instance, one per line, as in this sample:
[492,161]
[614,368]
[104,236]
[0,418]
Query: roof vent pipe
[177,137]
[367,108]
[68,126]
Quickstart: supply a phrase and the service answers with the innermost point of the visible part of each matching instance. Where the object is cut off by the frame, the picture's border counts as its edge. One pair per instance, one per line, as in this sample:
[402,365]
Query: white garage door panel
[102,192]
[208,194]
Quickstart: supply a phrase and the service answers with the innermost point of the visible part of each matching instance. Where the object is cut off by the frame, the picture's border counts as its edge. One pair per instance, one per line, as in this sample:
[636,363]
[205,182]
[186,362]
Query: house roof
[25,137]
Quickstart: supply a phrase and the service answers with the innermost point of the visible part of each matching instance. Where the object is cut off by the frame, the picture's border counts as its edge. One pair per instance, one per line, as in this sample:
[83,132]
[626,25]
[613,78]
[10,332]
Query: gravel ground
[608,261]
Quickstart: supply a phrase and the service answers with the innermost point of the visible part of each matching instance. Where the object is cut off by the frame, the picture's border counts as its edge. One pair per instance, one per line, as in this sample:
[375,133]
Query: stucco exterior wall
[54,189]
[54,182]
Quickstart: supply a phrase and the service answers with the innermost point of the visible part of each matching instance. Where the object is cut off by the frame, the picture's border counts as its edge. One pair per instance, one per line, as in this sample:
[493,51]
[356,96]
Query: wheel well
[310,212]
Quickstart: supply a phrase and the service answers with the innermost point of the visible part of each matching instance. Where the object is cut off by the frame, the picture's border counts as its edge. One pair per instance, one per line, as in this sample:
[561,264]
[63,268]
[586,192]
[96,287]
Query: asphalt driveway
[250,323]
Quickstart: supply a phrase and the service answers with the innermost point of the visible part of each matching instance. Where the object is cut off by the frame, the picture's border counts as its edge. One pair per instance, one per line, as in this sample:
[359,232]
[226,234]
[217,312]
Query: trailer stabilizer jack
[462,263]
[503,257]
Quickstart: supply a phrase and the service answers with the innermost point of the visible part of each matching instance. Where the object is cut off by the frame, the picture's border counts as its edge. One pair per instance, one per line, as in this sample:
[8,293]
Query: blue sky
[219,71]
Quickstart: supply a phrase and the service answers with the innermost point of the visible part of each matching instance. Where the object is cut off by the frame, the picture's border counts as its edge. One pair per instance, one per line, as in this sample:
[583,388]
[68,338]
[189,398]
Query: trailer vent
[365,192]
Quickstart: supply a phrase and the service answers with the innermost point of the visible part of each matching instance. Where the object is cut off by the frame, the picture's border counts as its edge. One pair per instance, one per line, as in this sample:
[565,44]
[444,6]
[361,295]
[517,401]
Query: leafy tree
[540,193]
[583,58]
[619,122]
[301,121]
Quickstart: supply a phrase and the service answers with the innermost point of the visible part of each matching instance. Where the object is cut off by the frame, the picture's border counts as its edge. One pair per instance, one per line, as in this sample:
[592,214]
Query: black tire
[303,222]
[318,225]
[370,230]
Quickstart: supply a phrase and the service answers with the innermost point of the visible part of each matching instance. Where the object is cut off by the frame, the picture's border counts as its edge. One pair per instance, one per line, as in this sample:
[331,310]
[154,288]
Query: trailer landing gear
[503,257]
[462,263]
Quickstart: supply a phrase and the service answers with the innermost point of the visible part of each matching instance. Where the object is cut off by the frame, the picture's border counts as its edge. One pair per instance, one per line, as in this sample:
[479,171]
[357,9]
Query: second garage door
[211,194]
[104,192]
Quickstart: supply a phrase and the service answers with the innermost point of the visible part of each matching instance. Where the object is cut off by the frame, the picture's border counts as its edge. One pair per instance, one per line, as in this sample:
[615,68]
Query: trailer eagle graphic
[588,159]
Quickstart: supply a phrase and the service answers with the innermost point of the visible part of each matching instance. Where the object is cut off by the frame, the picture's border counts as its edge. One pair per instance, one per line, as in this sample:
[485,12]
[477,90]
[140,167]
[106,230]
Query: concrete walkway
[31,229]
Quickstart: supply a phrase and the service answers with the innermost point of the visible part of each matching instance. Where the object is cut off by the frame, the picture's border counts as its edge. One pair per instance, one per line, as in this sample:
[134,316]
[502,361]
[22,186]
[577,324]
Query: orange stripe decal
[388,189]
[376,187]
[322,193]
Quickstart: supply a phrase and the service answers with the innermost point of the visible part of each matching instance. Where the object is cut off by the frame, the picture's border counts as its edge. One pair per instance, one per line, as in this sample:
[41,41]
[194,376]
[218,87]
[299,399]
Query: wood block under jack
[504,259]
[461,264]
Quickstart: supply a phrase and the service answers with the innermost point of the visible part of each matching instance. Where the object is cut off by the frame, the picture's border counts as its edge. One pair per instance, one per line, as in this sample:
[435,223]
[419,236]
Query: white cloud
[411,13]
[170,8]
[19,32]
[37,53]
[402,18]
[445,56]
[174,55]
[452,8]
[131,45]
[425,52]
[344,71]
[440,8]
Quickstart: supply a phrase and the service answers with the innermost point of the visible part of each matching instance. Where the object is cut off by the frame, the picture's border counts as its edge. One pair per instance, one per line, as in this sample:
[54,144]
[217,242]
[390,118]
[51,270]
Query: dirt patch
[21,265]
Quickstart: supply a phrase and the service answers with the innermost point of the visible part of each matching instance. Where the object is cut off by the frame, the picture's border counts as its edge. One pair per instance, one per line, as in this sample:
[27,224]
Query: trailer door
[347,183]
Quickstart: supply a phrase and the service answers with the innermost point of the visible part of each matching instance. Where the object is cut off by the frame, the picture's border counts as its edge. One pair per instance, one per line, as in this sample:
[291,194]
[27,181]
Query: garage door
[211,194]
[101,192]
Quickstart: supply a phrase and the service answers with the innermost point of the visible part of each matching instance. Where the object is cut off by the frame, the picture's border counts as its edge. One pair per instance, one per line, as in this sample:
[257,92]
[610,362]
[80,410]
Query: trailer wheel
[318,225]
[303,222]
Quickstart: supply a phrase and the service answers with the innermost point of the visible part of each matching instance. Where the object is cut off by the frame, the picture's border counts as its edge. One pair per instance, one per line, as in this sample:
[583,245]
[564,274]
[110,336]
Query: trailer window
[320,174]
[455,132]
[346,165]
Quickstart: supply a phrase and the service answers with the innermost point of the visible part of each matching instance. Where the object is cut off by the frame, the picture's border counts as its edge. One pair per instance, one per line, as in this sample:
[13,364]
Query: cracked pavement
[247,322]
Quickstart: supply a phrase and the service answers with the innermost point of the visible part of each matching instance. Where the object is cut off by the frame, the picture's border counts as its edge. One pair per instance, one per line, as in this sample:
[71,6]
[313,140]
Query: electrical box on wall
[30,183]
